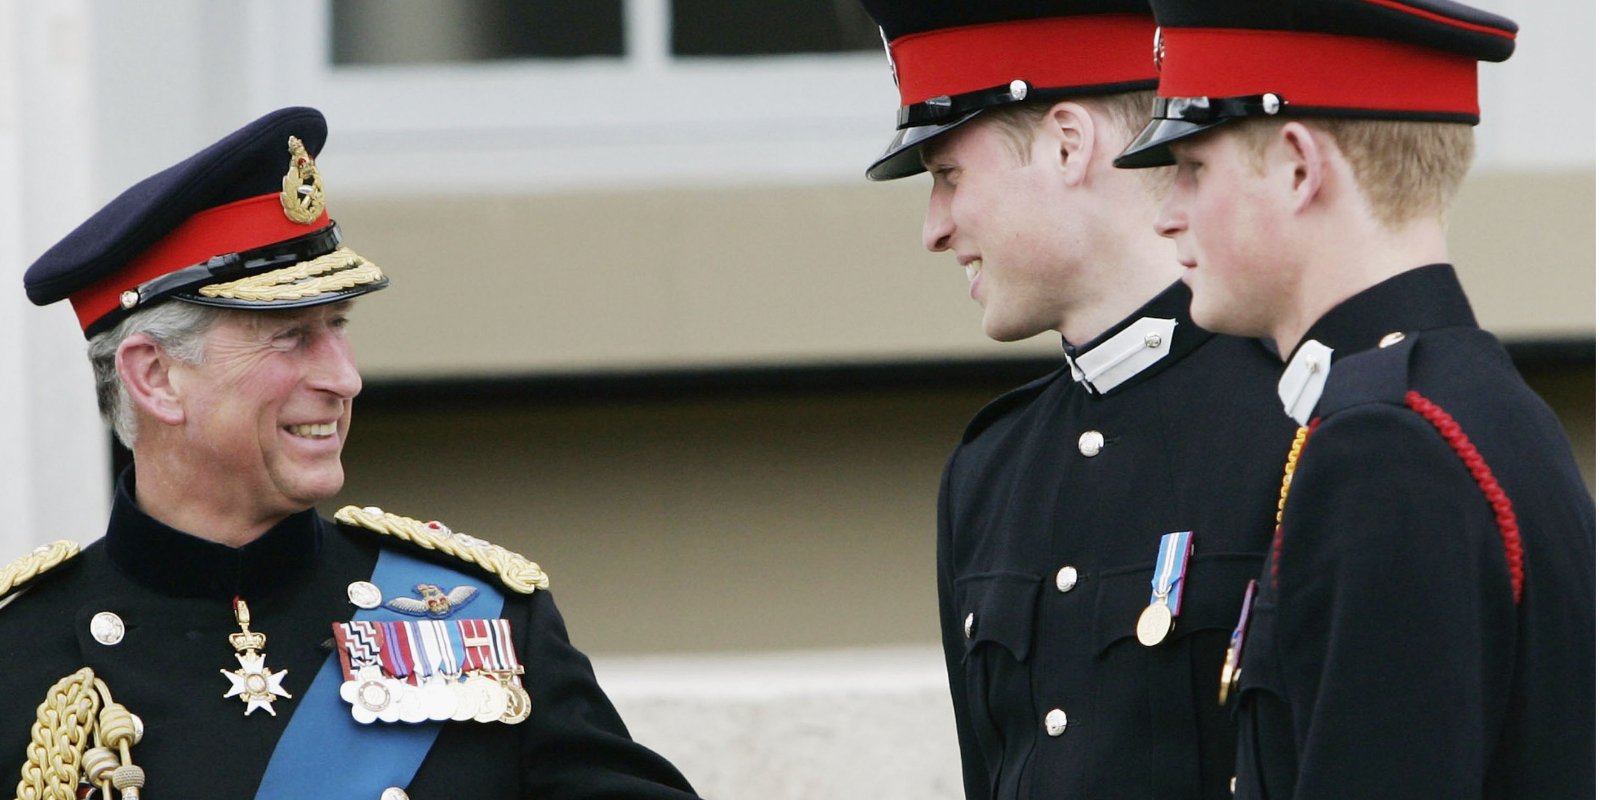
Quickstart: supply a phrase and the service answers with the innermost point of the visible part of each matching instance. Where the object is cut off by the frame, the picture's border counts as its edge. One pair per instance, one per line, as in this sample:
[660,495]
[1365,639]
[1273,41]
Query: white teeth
[325,429]
[973,269]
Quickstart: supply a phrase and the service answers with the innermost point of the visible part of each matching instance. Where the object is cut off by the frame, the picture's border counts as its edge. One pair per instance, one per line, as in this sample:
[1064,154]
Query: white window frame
[645,119]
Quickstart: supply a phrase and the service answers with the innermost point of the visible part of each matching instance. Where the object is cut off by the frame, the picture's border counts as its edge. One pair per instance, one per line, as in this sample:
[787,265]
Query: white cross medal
[252,682]
[1166,589]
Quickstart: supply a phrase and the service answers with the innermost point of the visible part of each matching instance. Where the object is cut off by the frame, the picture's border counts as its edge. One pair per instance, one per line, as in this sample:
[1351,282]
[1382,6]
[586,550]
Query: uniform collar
[1421,299]
[1141,345]
[171,562]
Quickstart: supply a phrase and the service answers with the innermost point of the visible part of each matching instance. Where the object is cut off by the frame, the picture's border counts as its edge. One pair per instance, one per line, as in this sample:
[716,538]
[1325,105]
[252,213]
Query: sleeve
[575,745]
[975,774]
[1396,613]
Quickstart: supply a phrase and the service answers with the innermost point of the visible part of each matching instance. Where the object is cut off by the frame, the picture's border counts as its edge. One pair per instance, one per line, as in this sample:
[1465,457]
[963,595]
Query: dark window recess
[770,27]
[448,31]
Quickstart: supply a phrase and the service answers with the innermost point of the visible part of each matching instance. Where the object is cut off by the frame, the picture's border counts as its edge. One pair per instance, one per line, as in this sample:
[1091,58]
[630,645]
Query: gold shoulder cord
[1288,468]
[77,707]
[41,560]
[516,572]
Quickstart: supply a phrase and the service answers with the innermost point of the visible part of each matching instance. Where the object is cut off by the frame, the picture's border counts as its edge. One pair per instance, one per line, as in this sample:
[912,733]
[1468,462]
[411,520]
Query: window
[445,31]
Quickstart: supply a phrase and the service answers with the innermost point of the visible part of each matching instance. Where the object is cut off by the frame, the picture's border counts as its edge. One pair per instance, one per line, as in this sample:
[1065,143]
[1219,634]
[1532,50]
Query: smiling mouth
[321,431]
[973,267]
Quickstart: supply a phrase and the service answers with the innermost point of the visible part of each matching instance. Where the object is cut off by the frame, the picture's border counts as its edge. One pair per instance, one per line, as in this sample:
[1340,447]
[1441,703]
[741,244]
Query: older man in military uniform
[223,639]
[1096,526]
[1425,626]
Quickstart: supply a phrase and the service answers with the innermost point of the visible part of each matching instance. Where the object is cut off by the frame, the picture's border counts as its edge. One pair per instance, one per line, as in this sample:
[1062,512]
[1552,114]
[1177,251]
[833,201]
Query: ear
[1069,130]
[1308,162]
[147,376]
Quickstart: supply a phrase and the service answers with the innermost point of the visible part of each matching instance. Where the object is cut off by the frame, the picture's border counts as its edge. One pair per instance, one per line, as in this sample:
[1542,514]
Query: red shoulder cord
[1504,516]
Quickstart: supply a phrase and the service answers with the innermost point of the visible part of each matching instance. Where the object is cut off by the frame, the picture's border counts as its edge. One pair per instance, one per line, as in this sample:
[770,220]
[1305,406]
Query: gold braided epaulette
[517,573]
[43,559]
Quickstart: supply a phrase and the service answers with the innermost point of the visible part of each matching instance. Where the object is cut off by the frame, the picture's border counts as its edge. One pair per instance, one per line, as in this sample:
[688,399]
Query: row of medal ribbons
[430,670]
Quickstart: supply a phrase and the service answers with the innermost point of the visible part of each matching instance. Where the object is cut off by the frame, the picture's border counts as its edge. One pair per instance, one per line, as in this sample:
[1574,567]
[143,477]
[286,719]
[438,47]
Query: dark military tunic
[174,593]
[1388,655]
[1049,543]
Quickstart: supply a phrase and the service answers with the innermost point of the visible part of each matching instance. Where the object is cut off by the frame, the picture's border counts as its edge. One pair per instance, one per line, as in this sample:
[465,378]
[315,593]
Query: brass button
[1391,339]
[967,626]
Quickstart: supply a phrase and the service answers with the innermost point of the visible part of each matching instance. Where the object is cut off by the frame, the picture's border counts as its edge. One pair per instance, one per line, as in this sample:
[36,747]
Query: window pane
[440,31]
[770,27]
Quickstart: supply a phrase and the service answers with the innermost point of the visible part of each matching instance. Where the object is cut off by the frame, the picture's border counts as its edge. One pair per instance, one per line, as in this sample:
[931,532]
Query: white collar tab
[1130,352]
[1304,378]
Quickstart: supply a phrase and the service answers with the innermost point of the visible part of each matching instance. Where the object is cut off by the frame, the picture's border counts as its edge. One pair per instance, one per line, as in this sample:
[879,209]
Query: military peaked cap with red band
[241,224]
[1366,59]
[952,60]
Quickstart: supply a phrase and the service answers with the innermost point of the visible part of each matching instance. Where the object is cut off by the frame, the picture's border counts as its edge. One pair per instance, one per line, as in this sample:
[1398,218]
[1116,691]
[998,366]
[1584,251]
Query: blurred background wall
[651,327]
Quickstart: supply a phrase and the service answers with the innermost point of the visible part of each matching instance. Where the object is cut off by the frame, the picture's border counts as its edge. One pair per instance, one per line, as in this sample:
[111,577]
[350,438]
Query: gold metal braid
[336,271]
[516,572]
[79,707]
[42,559]
[1288,468]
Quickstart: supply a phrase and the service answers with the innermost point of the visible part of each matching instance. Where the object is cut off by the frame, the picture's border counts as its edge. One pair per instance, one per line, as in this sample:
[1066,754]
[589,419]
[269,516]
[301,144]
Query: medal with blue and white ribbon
[1166,589]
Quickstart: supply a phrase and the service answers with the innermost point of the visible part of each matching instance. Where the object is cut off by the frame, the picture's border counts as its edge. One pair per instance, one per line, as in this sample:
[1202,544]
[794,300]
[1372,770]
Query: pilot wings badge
[435,602]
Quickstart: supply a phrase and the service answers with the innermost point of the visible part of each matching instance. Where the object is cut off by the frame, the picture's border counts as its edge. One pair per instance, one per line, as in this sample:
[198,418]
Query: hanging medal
[368,691]
[1166,589]
[492,699]
[508,673]
[1233,662]
[438,668]
[253,683]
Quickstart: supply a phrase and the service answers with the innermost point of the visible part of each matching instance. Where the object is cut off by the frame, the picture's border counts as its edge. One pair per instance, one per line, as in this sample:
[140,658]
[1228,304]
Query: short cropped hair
[179,328]
[1128,111]
[1406,170]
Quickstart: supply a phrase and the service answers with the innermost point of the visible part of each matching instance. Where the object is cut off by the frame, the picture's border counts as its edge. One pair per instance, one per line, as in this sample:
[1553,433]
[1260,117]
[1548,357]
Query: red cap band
[1320,70]
[1083,51]
[238,226]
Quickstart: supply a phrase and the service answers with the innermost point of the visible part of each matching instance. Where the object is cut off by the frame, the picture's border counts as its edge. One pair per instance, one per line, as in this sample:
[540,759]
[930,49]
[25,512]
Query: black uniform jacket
[1050,551]
[174,591]
[1388,654]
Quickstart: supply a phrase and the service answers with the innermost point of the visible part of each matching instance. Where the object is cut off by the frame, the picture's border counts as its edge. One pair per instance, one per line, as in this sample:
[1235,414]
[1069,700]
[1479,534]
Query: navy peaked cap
[224,227]
[953,60]
[1370,59]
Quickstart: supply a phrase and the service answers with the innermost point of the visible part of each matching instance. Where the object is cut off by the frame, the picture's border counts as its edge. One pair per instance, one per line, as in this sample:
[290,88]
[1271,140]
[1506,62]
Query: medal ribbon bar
[1172,562]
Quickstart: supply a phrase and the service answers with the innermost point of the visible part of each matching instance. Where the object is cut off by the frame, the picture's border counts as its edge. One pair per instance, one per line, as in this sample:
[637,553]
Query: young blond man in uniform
[1424,627]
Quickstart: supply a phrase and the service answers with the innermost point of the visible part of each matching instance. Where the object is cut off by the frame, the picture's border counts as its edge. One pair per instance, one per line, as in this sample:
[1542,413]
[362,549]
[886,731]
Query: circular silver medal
[495,700]
[469,698]
[1154,624]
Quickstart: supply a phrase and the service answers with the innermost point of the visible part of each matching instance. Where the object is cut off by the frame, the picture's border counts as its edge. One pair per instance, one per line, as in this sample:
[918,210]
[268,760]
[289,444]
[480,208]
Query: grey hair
[178,328]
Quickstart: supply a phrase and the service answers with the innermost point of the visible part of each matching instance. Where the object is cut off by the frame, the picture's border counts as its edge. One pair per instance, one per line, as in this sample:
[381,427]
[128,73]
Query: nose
[334,370]
[937,226]
[1170,219]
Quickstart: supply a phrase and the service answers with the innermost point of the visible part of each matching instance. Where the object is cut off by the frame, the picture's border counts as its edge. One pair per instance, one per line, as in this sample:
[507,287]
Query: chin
[1221,320]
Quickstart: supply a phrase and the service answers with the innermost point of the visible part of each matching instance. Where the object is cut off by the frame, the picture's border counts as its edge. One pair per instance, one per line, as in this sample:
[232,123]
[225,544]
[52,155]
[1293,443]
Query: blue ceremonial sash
[324,752]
